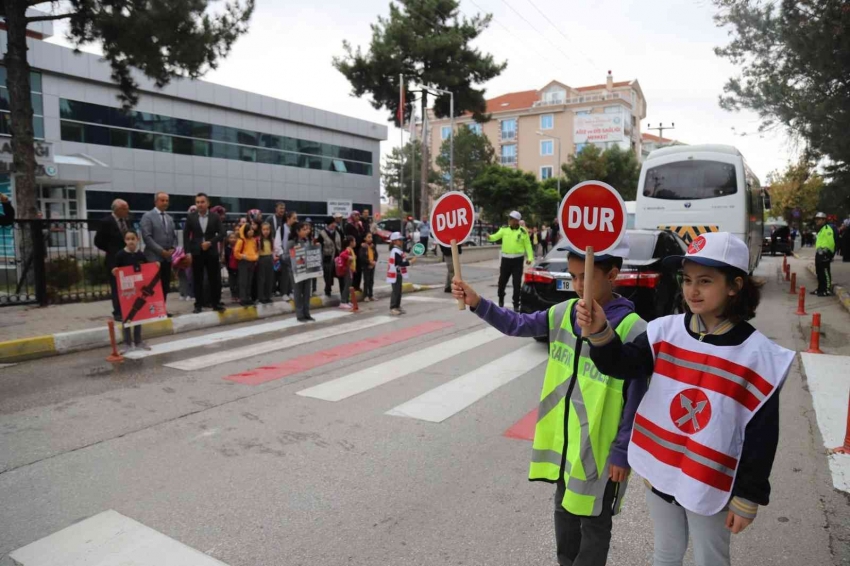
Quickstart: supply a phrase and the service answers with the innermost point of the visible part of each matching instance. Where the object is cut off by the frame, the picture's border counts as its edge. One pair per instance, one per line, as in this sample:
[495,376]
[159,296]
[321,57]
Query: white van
[693,189]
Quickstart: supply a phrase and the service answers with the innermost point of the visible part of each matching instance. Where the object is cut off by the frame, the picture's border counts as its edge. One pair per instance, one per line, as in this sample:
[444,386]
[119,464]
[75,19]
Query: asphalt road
[258,474]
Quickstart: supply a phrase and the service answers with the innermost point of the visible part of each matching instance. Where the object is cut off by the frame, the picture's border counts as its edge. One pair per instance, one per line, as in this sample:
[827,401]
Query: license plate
[562,285]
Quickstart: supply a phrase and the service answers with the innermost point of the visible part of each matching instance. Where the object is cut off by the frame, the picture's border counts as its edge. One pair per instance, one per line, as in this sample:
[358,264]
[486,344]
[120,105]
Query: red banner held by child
[140,293]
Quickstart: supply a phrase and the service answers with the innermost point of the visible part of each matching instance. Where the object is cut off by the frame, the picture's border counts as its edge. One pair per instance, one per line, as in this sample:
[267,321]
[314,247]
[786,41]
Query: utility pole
[661,128]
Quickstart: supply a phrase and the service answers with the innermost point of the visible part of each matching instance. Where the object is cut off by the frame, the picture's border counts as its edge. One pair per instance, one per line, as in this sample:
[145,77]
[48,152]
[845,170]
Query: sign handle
[588,280]
[461,306]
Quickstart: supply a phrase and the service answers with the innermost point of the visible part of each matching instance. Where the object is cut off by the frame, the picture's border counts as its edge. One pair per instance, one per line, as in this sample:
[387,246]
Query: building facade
[650,143]
[526,127]
[244,149]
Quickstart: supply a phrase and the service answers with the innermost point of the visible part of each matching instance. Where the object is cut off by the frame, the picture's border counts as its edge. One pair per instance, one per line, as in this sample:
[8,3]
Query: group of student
[689,402]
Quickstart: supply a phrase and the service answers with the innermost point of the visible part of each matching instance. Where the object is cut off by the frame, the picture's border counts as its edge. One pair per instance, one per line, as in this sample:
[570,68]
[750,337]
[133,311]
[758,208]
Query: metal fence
[55,261]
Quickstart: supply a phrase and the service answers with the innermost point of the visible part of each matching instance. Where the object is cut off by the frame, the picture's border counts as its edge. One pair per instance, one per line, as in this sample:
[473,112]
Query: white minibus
[693,189]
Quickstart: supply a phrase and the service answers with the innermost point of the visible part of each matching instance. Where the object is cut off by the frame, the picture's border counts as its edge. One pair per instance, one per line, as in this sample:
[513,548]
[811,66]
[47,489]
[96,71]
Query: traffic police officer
[516,244]
[824,252]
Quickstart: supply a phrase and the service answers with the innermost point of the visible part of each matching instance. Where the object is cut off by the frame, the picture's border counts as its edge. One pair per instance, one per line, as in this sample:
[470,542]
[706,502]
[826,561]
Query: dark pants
[511,267]
[544,247]
[301,292]
[345,288]
[265,277]
[137,335]
[165,278]
[424,241]
[357,276]
[116,304]
[207,261]
[450,272]
[233,279]
[246,279]
[583,541]
[329,272]
[395,298]
[368,282]
[824,273]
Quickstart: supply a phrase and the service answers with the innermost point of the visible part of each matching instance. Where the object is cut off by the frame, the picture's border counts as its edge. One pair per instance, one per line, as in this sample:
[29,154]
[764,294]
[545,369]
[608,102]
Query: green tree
[428,43]
[163,39]
[793,58]
[798,187]
[391,176]
[617,167]
[499,190]
[546,201]
[473,154]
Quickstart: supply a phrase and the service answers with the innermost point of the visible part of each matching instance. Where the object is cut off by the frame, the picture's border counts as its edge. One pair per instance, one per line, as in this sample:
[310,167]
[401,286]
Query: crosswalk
[354,335]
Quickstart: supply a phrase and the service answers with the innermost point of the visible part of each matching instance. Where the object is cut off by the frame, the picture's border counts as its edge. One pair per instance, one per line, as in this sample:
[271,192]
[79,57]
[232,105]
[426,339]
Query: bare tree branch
[48,18]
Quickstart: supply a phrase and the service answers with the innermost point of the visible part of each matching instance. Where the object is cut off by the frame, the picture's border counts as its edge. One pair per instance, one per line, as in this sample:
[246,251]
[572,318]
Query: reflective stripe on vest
[689,428]
[392,271]
[586,461]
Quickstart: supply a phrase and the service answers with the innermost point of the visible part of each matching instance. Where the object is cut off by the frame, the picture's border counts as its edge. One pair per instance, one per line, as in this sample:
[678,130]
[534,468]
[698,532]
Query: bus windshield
[690,180]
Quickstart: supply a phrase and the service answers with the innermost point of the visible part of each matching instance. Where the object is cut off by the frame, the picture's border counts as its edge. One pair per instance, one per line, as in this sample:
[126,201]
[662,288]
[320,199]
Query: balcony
[508,135]
[583,99]
[509,160]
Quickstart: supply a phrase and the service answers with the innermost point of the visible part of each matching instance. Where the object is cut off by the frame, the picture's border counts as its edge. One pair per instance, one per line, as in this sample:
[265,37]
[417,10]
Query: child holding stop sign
[581,449]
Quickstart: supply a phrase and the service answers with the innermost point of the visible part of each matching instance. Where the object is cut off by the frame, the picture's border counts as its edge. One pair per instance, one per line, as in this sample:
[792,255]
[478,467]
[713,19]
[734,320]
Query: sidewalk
[840,274]
[29,332]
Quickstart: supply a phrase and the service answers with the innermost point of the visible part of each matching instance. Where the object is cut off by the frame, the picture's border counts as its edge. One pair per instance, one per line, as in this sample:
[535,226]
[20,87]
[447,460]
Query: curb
[36,347]
[837,290]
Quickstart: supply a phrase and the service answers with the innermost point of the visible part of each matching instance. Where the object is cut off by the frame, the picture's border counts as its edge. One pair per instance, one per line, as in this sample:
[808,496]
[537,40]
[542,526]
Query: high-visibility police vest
[392,270]
[689,428]
[596,406]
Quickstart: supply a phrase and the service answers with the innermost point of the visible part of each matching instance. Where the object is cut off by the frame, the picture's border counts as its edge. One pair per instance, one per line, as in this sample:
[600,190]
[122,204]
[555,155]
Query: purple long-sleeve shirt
[537,324]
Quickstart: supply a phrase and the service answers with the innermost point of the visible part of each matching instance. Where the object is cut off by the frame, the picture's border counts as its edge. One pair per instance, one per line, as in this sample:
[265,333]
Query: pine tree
[163,39]
[391,177]
[428,42]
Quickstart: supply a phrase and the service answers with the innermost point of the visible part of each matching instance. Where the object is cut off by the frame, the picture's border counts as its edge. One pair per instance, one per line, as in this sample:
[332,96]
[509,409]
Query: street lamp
[541,134]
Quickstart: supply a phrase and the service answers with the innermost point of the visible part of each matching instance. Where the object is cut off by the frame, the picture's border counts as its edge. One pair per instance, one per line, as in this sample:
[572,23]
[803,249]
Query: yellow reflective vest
[596,408]
[515,242]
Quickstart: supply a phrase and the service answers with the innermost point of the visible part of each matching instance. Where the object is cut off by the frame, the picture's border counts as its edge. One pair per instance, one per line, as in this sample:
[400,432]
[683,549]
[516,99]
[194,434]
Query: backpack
[341,265]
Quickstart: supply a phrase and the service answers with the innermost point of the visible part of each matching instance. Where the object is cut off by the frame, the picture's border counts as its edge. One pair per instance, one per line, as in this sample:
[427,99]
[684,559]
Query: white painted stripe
[429,300]
[375,376]
[206,340]
[7,365]
[444,401]
[110,538]
[827,379]
[279,344]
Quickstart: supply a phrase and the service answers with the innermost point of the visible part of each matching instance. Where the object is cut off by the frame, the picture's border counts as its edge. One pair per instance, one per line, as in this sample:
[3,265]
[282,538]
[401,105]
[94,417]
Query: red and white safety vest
[689,428]
[392,272]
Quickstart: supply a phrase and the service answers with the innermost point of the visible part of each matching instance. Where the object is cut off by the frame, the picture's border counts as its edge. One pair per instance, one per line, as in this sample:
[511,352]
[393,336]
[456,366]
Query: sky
[666,44]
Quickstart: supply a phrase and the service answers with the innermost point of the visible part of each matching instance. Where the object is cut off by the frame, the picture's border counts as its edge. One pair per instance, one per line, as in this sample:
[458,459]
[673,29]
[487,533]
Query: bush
[63,273]
[95,271]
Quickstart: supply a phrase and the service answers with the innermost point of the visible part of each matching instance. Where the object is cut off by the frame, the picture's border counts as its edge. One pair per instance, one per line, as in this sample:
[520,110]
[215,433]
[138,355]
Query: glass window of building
[613,109]
[509,154]
[37,105]
[475,128]
[547,147]
[509,129]
[445,132]
[102,125]
[546,172]
[547,121]
[556,96]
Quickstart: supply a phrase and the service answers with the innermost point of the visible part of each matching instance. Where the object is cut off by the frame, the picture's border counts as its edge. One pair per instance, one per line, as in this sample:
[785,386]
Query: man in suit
[278,222]
[160,239]
[110,239]
[201,236]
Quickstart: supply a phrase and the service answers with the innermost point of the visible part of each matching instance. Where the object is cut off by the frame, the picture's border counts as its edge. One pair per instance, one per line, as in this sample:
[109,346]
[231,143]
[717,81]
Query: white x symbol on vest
[692,411]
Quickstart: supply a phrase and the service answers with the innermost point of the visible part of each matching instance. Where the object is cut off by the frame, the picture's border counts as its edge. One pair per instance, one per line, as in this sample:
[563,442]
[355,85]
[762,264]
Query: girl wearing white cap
[705,433]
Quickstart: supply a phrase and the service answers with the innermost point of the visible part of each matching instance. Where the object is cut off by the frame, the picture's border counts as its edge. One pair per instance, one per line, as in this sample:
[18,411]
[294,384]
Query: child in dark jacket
[130,256]
[368,259]
[232,265]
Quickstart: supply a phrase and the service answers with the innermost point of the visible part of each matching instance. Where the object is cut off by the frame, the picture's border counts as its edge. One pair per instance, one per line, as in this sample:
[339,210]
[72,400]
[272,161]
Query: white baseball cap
[716,249]
[820,215]
[621,251]
[396,236]
[515,215]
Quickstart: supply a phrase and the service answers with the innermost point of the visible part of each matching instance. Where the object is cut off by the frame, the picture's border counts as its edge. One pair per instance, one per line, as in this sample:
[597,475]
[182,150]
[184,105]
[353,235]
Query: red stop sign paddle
[452,219]
[592,218]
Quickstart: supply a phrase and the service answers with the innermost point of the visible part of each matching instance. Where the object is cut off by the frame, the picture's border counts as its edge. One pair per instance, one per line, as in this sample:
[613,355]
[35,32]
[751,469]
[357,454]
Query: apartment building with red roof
[525,126]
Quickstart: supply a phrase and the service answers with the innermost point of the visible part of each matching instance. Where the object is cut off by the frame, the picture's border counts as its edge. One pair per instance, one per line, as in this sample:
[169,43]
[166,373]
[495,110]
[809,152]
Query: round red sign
[452,218]
[697,245]
[690,410]
[593,214]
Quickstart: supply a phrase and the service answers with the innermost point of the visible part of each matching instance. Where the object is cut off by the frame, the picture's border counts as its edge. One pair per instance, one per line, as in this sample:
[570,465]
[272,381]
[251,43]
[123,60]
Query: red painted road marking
[306,362]
[524,428]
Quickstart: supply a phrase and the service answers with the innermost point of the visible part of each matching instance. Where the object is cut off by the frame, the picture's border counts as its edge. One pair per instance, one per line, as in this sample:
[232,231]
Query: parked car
[781,233]
[653,288]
